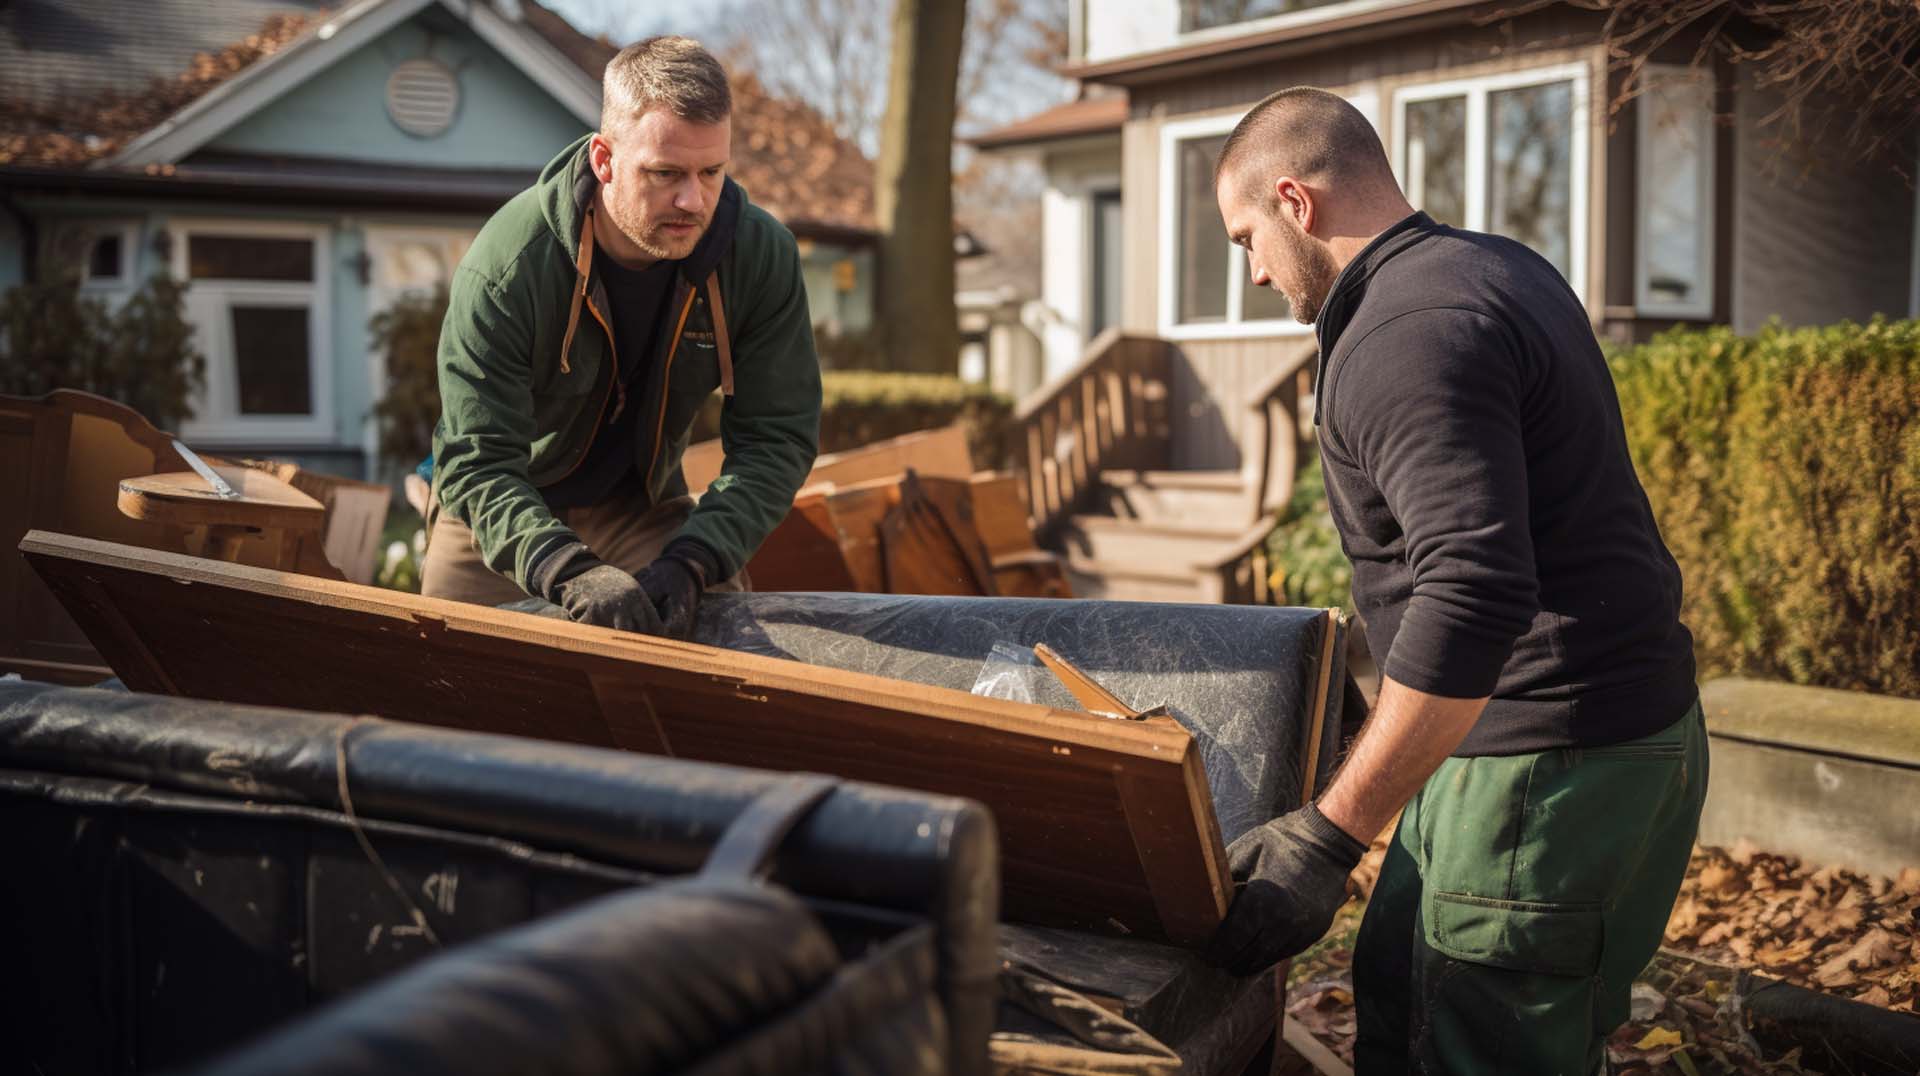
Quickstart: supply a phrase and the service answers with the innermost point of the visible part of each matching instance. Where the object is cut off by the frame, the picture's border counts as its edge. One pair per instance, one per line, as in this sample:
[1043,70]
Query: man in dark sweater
[1538,719]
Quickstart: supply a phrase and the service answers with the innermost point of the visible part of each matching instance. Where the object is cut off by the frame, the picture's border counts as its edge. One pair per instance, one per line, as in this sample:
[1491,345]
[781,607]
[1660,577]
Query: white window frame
[217,417]
[129,233]
[1645,302]
[1476,90]
[1278,22]
[1239,277]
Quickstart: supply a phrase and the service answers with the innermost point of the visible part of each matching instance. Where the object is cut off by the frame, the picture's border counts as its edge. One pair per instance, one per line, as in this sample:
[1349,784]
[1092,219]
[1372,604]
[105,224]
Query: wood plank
[938,453]
[1104,825]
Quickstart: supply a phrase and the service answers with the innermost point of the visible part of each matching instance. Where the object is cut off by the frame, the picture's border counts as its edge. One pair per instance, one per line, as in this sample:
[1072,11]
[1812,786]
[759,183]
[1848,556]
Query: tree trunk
[913,195]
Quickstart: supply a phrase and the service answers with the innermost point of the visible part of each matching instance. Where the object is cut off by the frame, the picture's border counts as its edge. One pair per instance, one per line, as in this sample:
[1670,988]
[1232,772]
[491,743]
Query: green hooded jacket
[528,377]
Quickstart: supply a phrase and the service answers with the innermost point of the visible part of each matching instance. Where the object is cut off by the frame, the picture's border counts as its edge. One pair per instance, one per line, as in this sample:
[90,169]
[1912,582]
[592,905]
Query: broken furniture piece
[908,515]
[1104,826]
[67,452]
[1094,834]
[185,875]
[261,508]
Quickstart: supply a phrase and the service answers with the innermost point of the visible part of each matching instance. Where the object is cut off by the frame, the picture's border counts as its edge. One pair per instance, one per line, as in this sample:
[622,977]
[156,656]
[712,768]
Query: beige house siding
[1214,376]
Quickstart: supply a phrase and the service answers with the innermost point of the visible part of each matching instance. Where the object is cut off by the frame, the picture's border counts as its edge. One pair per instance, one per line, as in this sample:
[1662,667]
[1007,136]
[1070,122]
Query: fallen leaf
[1658,1037]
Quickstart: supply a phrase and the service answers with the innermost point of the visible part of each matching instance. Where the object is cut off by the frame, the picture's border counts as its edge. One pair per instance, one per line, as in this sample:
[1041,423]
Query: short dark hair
[1310,134]
[668,72]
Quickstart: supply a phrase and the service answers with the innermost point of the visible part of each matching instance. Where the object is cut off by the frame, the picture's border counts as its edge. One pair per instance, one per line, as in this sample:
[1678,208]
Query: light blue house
[302,194]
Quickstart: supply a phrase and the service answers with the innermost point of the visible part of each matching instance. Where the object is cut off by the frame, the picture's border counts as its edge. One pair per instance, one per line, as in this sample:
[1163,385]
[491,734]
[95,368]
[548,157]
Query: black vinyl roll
[181,874]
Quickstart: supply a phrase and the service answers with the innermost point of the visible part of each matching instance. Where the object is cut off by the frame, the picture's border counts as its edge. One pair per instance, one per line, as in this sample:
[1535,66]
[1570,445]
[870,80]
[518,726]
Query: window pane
[1434,148]
[1262,303]
[1530,169]
[270,354]
[238,257]
[103,260]
[1206,14]
[1673,160]
[1201,283]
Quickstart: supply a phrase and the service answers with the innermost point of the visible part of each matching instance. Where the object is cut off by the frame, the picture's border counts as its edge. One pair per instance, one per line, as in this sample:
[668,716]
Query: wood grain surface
[1104,825]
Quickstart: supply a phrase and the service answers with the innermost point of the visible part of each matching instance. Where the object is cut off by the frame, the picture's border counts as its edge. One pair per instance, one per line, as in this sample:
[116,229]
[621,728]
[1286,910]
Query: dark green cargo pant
[1520,897]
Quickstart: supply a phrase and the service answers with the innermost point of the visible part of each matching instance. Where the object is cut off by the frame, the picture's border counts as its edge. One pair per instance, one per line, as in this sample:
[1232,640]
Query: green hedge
[1784,469]
[1309,568]
[860,407]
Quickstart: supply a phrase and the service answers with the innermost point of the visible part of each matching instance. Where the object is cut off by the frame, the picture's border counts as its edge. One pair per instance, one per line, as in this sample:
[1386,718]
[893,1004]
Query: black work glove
[595,592]
[1295,873]
[675,581]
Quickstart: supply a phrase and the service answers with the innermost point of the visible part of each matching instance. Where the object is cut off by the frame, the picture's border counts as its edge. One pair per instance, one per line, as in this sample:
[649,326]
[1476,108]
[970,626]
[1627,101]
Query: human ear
[1296,199]
[600,157]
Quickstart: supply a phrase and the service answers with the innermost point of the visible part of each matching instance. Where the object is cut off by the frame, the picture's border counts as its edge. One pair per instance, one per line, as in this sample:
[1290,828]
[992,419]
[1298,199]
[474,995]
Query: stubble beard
[1312,272]
[651,237]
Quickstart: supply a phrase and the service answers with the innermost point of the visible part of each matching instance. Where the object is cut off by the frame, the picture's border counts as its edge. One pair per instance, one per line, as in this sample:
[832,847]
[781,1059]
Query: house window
[1206,289]
[106,256]
[1504,154]
[1211,14]
[1674,275]
[256,296]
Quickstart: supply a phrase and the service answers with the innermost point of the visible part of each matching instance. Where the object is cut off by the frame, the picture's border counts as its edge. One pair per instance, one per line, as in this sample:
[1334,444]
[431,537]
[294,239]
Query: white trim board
[240,97]
[1475,90]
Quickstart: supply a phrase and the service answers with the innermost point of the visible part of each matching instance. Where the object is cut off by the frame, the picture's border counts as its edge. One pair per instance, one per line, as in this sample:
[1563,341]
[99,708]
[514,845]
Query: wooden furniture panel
[938,453]
[1104,825]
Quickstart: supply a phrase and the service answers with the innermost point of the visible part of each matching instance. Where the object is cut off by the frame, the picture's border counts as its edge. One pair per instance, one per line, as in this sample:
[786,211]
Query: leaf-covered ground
[1739,908]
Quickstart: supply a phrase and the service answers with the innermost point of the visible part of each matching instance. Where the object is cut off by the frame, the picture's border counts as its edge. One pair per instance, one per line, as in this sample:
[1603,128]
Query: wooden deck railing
[1109,412]
[1270,444]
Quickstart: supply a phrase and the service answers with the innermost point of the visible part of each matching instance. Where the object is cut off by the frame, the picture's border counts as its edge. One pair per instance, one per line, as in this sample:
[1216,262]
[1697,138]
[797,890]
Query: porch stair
[1096,454]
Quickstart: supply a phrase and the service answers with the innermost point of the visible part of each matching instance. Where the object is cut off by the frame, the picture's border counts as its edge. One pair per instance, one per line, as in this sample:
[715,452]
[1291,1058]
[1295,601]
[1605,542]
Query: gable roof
[54,51]
[1089,116]
[135,88]
[325,43]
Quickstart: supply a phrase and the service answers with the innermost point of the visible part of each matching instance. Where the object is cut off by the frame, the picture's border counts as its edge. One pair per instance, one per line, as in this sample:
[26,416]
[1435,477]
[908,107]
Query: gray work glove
[1294,871]
[676,580]
[609,597]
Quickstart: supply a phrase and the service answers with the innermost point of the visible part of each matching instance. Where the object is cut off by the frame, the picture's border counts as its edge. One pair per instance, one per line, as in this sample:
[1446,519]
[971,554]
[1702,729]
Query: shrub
[859,407]
[53,336]
[1784,470]
[1309,567]
[408,333]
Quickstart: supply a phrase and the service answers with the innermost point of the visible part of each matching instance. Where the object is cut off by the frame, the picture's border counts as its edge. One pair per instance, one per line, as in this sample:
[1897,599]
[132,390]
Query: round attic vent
[422,96]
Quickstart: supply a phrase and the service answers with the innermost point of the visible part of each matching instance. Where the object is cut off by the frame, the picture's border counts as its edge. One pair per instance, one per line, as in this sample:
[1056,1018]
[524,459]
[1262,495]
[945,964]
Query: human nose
[1261,278]
[689,198]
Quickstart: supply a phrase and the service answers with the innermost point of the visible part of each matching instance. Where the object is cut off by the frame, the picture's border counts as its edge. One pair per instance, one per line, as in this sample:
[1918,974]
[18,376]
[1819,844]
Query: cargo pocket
[1517,935]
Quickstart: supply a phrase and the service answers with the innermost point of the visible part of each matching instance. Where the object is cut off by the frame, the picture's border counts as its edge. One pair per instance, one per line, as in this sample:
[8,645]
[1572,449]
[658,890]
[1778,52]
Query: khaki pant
[621,530]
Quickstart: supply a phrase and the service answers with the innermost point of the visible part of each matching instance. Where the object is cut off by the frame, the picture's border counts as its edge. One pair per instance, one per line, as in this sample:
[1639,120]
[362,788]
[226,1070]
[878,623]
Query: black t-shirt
[637,299]
[1477,469]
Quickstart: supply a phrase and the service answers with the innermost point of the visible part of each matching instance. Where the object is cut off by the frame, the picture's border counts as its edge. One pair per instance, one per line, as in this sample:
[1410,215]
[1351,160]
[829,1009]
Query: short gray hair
[668,72]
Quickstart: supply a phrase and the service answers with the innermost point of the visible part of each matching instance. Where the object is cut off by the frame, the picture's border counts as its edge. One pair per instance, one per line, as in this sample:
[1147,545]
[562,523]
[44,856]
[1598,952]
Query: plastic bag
[1010,672]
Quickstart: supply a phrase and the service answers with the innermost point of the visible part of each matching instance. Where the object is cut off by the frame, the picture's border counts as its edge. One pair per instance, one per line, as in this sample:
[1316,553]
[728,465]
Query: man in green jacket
[593,315]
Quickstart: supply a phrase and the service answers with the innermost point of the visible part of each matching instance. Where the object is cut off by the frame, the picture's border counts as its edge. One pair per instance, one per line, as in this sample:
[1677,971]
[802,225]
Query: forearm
[1410,733]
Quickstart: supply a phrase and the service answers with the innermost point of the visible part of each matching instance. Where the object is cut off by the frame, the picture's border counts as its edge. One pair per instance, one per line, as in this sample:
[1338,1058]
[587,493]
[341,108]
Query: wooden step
[1207,498]
[1126,582]
[1166,547]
